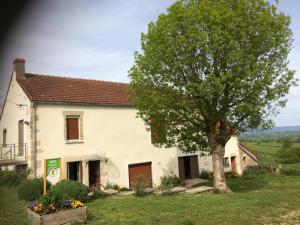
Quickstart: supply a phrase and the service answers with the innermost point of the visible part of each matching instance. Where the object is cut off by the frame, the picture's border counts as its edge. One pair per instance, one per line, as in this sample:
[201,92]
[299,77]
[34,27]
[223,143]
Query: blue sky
[96,39]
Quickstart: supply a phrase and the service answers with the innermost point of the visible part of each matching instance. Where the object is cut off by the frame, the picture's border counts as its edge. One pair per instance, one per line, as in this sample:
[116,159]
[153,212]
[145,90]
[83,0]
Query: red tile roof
[73,90]
[248,149]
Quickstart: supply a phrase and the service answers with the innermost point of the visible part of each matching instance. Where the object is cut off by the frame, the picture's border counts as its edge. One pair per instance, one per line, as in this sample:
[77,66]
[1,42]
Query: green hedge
[68,189]
[12,178]
[32,189]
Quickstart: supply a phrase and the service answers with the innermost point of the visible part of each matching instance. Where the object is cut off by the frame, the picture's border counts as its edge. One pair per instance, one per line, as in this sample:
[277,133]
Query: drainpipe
[34,138]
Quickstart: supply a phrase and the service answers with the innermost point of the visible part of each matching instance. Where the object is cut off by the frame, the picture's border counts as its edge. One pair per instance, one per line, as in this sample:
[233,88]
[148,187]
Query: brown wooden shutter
[72,129]
[181,168]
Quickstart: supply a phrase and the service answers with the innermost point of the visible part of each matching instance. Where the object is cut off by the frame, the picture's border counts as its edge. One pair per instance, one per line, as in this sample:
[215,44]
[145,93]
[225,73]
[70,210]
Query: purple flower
[34,203]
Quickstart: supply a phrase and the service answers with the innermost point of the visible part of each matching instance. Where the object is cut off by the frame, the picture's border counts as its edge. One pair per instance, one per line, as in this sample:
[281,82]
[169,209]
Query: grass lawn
[256,199]
[269,148]
[12,210]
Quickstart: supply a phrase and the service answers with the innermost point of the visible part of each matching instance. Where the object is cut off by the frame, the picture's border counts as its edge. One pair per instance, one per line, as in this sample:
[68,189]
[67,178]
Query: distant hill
[273,131]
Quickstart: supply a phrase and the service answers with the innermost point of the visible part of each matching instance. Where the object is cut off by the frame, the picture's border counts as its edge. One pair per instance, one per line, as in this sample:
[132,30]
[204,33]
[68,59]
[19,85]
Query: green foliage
[111,185]
[50,198]
[289,155]
[204,174]
[124,189]
[139,186]
[32,189]
[290,172]
[254,170]
[165,188]
[216,191]
[12,178]
[173,181]
[69,189]
[167,183]
[287,143]
[97,193]
[206,64]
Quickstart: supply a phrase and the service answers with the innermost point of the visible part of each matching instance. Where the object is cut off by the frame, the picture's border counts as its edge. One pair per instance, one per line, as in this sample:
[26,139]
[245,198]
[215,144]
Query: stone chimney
[19,67]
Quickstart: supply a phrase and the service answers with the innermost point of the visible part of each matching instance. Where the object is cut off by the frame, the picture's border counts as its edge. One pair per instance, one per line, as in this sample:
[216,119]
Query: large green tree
[209,69]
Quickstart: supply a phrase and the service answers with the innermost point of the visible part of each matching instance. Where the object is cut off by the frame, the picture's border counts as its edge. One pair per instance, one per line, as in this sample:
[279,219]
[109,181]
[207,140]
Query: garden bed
[57,218]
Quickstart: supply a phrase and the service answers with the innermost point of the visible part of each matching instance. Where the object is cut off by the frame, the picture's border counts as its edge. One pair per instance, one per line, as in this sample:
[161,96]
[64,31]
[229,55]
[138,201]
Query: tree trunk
[218,168]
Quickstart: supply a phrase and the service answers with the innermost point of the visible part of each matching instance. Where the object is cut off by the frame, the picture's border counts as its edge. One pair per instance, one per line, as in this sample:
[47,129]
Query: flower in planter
[67,204]
[33,204]
[76,204]
[50,209]
[38,208]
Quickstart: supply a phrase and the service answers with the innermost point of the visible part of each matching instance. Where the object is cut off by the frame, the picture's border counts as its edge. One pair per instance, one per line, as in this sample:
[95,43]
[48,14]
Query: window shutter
[72,129]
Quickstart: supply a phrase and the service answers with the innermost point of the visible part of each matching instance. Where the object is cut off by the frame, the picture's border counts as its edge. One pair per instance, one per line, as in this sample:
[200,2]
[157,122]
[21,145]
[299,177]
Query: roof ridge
[74,78]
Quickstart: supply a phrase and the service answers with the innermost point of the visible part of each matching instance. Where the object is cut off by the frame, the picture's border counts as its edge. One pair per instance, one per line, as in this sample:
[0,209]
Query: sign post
[52,171]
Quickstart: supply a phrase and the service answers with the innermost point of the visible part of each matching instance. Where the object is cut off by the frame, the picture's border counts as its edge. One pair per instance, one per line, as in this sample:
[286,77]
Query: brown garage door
[141,169]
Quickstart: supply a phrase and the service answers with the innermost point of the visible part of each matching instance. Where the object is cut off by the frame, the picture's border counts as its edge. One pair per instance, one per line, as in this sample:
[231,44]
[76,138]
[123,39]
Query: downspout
[34,138]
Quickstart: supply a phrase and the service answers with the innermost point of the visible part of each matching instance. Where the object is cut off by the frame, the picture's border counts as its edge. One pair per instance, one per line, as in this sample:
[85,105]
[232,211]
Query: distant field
[270,148]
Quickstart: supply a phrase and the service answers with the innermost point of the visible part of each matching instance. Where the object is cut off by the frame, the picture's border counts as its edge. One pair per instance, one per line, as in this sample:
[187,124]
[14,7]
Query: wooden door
[21,137]
[140,170]
[181,168]
[233,164]
[194,166]
[94,172]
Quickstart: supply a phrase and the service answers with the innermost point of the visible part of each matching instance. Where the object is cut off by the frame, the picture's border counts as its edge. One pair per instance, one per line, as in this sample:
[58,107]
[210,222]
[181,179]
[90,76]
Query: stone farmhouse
[91,126]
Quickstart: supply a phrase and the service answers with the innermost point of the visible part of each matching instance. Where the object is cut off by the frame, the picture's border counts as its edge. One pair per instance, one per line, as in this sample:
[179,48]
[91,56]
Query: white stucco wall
[231,150]
[114,131]
[12,113]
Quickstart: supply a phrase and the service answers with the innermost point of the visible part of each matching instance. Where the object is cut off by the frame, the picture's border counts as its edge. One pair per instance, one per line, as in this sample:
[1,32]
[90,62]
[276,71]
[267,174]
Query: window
[4,136]
[158,130]
[74,171]
[225,162]
[244,159]
[72,128]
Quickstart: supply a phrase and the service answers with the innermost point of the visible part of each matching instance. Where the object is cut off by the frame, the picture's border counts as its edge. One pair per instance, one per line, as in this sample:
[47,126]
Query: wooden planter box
[58,218]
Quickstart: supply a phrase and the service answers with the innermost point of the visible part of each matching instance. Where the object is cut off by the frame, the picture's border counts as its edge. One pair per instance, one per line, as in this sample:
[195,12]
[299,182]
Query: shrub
[12,178]
[32,189]
[289,155]
[172,181]
[165,188]
[204,174]
[124,189]
[216,191]
[255,170]
[69,189]
[290,172]
[139,186]
[111,185]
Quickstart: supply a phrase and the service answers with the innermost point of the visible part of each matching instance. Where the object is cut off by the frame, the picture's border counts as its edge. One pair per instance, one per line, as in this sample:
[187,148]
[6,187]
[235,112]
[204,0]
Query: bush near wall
[69,189]
[173,181]
[12,178]
[32,189]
